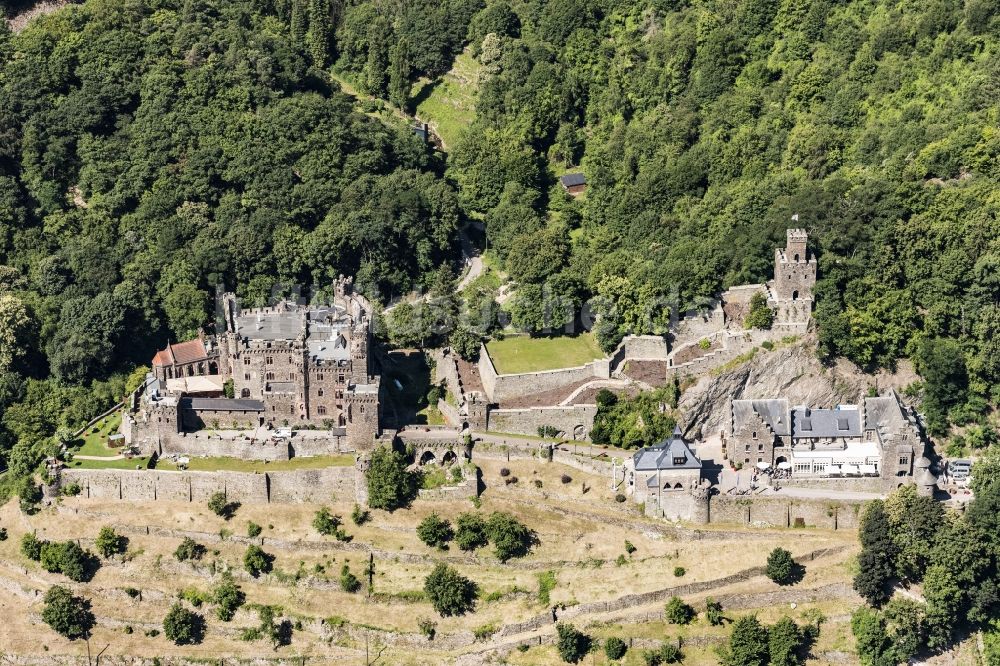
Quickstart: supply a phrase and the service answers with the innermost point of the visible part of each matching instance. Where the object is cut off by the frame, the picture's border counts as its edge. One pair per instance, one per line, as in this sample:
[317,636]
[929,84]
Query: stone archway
[579,432]
[427,457]
[448,458]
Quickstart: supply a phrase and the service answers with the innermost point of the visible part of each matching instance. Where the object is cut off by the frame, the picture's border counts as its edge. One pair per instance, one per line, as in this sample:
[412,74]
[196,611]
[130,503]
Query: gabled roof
[823,423]
[775,413]
[573,179]
[662,456]
[183,352]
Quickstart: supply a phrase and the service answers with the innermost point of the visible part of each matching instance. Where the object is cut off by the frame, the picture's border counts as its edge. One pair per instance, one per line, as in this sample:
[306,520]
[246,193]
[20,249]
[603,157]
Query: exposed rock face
[791,372]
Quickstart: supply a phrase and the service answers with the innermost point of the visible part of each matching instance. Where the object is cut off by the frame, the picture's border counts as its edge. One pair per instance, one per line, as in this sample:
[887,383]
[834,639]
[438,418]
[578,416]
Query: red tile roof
[183,352]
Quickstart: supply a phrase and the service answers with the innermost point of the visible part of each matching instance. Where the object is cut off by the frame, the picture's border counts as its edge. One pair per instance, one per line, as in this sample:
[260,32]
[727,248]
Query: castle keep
[289,365]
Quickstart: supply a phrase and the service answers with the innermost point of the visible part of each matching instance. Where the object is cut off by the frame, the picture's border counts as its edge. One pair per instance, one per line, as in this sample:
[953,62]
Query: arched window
[795,295]
[796,257]
[320,393]
[269,376]
[245,393]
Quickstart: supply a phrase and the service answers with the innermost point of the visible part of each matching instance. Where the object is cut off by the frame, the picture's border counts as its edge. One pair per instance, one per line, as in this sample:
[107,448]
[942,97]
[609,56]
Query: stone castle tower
[790,294]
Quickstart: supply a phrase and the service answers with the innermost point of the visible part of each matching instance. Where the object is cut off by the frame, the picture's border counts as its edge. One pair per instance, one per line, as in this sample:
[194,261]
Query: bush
[435,531]
[679,572]
[69,559]
[29,495]
[218,505]
[471,531]
[566,478]
[360,516]
[510,537]
[256,561]
[109,543]
[189,549]
[427,627]
[253,529]
[66,614]
[228,597]
[572,643]
[678,612]
[328,524]
[620,498]
[450,592]
[504,471]
[538,483]
[71,489]
[713,612]
[781,566]
[615,648]
[183,627]
[629,547]
[31,547]
[667,654]
[348,581]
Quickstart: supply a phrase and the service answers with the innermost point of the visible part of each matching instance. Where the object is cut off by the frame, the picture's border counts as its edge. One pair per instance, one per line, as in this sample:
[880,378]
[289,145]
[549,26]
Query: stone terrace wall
[314,485]
[527,421]
[862,484]
[785,512]
[215,446]
[487,371]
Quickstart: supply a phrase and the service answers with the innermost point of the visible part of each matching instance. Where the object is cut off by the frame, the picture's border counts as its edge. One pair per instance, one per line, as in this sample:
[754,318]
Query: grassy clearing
[448,103]
[95,441]
[121,463]
[520,353]
[240,465]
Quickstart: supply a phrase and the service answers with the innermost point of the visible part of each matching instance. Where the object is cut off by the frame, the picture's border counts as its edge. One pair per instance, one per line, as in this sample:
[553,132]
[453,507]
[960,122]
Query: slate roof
[839,422]
[573,179]
[775,413]
[661,456]
[221,405]
[183,352]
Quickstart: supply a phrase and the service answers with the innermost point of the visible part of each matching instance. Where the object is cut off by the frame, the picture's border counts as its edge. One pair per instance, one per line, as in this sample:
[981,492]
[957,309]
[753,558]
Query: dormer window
[680,461]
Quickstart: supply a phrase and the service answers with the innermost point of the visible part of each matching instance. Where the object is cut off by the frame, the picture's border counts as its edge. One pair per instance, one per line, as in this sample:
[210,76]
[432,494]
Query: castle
[287,365]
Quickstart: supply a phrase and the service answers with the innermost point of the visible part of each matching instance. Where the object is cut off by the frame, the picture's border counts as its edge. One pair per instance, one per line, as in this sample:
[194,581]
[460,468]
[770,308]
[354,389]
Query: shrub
[133,592]
[110,543]
[621,560]
[678,612]
[667,654]
[780,566]
[66,614]
[71,489]
[510,537]
[504,471]
[348,581]
[484,631]
[629,547]
[572,643]
[427,627]
[189,549]
[31,547]
[713,612]
[253,529]
[228,597]
[69,559]
[256,561]
[435,531]
[679,572]
[328,524]
[615,648]
[183,627]
[620,498]
[566,478]
[360,516]
[471,531]
[218,505]
[538,483]
[450,592]
[546,583]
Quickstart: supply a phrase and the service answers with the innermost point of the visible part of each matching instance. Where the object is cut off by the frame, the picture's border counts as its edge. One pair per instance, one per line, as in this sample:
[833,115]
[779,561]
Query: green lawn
[110,464]
[448,103]
[95,442]
[241,465]
[520,353]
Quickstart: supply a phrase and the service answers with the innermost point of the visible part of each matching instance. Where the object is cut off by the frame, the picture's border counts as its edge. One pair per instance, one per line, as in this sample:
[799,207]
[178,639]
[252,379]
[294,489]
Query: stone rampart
[313,485]
[776,511]
[206,445]
[573,421]
[858,484]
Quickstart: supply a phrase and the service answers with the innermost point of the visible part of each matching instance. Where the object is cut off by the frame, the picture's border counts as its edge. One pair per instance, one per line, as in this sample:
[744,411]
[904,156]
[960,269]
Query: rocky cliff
[790,371]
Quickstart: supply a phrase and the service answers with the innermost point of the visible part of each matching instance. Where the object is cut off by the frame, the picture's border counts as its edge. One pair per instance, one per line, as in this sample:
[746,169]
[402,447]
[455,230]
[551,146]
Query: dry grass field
[581,532]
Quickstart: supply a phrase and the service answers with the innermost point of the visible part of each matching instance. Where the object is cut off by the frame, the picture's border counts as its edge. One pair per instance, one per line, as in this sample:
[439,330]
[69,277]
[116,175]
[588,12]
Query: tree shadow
[422,96]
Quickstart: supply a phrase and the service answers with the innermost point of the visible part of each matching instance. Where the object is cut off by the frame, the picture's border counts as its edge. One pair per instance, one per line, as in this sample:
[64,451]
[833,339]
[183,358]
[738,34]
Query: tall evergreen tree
[320,27]
[300,21]
[400,67]
[877,562]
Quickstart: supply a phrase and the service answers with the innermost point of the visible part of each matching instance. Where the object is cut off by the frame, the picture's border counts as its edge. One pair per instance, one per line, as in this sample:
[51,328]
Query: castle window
[245,393]
[362,409]
[290,360]
[903,460]
[340,379]
[270,376]
[246,361]
[320,393]
[795,295]
[247,376]
[760,447]
[755,434]
[748,447]
[291,375]
[321,410]
[269,360]
[319,377]
[796,257]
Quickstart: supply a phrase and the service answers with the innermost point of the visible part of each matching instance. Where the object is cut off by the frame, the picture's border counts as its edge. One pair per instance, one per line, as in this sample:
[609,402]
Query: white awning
[784,465]
[869,469]
[763,465]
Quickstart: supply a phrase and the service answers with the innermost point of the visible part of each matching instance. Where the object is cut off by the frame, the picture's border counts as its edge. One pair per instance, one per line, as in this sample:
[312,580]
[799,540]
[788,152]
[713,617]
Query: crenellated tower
[791,291]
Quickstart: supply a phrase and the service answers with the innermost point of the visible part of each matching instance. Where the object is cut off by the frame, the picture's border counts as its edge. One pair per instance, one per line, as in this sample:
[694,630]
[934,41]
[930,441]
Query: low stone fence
[311,485]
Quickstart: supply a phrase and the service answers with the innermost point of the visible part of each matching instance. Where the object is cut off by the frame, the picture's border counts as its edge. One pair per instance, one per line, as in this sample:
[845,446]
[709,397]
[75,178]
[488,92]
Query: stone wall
[698,324]
[205,445]
[314,485]
[862,484]
[575,421]
[777,511]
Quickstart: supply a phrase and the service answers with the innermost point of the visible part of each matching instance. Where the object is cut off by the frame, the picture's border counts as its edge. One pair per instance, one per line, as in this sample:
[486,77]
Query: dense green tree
[435,531]
[678,612]
[183,627]
[877,561]
[228,598]
[510,537]
[450,592]
[256,561]
[66,614]
[571,643]
[781,566]
[470,531]
[390,484]
[784,639]
[109,542]
[748,643]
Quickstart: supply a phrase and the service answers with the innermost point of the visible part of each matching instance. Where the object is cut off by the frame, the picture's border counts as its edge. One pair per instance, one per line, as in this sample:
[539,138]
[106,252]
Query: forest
[152,150]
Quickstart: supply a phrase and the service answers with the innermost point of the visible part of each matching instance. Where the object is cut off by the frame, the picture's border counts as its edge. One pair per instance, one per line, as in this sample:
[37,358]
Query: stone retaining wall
[312,485]
[574,421]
